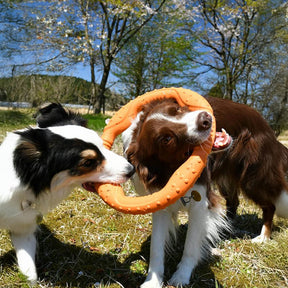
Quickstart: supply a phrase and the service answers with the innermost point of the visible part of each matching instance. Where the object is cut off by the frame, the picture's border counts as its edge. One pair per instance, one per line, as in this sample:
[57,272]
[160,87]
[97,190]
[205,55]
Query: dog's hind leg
[25,247]
[268,214]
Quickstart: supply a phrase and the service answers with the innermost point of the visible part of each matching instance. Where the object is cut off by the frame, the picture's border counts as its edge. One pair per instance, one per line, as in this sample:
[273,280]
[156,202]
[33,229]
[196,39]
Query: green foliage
[96,121]
[217,90]
[17,119]
[14,119]
[37,89]
[156,57]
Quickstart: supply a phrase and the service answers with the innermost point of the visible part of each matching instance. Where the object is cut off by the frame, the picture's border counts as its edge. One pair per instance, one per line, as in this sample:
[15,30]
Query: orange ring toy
[182,179]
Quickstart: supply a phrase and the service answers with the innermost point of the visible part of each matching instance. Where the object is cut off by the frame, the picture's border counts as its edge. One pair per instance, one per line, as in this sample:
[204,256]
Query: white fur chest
[19,207]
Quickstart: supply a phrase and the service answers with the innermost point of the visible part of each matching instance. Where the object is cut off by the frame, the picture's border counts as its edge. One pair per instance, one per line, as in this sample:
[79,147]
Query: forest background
[234,49]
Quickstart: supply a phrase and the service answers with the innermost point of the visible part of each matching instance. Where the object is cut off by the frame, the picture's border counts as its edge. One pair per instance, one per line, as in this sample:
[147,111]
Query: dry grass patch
[85,243]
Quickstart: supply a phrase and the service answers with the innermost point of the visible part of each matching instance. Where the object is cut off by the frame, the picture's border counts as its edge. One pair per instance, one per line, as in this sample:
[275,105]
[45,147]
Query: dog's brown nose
[204,121]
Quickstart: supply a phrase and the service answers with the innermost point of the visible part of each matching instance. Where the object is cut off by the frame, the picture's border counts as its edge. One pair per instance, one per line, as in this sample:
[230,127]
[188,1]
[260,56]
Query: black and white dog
[39,168]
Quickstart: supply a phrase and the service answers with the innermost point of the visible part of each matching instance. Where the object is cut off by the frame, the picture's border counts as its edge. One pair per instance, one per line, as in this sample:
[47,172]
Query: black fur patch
[42,154]
[55,115]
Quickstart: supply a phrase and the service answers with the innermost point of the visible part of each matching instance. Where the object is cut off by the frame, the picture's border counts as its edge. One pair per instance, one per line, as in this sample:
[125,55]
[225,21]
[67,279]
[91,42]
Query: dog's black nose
[204,121]
[131,170]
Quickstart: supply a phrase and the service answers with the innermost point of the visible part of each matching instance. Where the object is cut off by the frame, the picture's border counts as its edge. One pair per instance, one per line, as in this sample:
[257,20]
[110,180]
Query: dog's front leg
[161,221]
[25,247]
[195,238]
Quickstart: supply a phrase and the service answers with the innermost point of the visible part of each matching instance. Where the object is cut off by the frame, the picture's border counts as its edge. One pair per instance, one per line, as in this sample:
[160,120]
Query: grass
[96,122]
[85,243]
[14,119]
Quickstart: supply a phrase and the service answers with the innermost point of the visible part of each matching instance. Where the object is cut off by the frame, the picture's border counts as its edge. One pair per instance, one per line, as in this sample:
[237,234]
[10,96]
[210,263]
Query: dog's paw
[260,239]
[152,281]
[179,279]
[30,273]
[151,284]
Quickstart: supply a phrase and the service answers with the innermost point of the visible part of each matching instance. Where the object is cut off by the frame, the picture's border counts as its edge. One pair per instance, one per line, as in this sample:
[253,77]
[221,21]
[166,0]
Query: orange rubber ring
[182,179]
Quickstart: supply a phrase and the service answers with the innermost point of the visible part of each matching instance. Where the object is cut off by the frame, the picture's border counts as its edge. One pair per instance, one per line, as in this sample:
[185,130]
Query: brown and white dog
[158,141]
[162,137]
[256,164]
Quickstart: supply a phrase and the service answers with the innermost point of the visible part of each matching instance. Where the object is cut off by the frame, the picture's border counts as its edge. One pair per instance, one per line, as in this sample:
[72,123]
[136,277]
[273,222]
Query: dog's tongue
[222,141]
[89,186]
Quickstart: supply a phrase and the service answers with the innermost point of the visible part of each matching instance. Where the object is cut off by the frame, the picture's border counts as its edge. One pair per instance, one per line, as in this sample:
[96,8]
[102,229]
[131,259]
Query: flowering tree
[231,36]
[156,56]
[89,31]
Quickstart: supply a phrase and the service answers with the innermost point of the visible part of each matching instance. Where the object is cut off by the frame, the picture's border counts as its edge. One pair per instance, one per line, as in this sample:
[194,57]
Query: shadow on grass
[245,226]
[66,265]
[248,226]
[61,263]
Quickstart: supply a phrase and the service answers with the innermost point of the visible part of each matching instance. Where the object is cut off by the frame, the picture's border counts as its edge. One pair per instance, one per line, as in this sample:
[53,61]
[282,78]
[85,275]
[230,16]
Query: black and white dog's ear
[28,152]
[54,114]
[28,155]
[33,142]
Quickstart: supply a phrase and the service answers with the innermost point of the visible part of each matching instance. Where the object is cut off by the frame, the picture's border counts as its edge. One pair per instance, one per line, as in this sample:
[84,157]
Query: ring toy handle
[182,179]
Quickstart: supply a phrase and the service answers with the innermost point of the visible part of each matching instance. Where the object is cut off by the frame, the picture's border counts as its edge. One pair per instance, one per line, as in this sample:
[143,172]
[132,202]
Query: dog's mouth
[89,186]
[222,141]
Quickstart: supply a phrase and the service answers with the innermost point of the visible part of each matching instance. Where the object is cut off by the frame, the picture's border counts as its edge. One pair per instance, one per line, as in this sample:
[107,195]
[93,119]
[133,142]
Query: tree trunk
[282,110]
[102,89]
[229,86]
[93,97]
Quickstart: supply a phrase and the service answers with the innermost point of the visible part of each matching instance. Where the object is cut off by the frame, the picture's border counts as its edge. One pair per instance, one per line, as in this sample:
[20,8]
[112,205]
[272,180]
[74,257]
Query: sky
[78,70]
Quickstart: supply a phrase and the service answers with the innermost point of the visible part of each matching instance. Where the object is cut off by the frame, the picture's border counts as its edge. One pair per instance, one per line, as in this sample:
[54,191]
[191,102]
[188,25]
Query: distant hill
[37,89]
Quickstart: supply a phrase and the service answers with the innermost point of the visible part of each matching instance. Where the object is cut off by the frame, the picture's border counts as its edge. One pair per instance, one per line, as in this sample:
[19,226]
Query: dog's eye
[172,111]
[166,140]
[88,163]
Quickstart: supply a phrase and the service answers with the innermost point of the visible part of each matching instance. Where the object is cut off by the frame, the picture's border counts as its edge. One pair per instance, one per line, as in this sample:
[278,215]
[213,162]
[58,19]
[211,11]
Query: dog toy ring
[182,179]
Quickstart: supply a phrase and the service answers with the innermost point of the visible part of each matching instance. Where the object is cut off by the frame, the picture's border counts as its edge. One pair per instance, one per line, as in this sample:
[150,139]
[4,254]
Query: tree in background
[155,57]
[271,98]
[89,31]
[232,35]
[14,31]
[237,47]
[37,89]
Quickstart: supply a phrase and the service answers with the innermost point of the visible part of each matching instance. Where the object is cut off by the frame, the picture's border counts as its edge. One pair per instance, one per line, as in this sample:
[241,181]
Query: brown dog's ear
[143,171]
[147,177]
[131,152]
